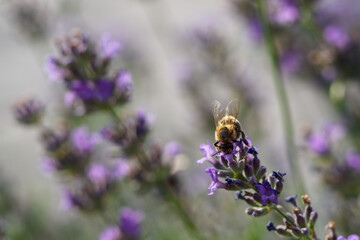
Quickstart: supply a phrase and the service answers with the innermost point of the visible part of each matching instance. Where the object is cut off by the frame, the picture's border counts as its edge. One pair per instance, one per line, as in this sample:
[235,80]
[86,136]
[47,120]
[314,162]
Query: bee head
[224,133]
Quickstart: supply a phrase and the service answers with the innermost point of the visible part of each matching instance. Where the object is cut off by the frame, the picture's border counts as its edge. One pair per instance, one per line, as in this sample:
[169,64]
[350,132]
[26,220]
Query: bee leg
[215,154]
[216,144]
[234,157]
[244,138]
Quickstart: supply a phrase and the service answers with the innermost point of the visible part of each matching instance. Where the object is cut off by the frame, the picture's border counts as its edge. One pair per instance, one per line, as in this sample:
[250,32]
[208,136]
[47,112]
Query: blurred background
[182,55]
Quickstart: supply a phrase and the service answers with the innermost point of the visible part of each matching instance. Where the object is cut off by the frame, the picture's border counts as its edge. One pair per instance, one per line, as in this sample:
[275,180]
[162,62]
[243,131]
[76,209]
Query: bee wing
[217,111]
[232,109]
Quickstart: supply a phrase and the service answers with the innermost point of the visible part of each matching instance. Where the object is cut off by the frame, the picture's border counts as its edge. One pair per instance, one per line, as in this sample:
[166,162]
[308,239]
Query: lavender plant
[241,171]
[92,180]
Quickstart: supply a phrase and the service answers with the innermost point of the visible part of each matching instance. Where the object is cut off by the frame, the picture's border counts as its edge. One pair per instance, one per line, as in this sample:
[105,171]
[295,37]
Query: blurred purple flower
[98,174]
[290,62]
[318,143]
[286,12]
[111,233]
[122,169]
[215,184]
[109,47]
[266,193]
[28,111]
[83,140]
[255,29]
[69,98]
[353,160]
[104,90]
[85,90]
[351,237]
[208,151]
[48,164]
[143,122]
[130,222]
[52,69]
[172,149]
[329,74]
[68,200]
[336,36]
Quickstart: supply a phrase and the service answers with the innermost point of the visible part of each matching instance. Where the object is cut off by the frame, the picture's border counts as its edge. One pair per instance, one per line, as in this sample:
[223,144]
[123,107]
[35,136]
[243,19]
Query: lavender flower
[121,170]
[267,194]
[130,222]
[284,11]
[28,111]
[336,36]
[353,160]
[215,184]
[83,140]
[111,233]
[109,47]
[351,237]
[208,151]
[98,174]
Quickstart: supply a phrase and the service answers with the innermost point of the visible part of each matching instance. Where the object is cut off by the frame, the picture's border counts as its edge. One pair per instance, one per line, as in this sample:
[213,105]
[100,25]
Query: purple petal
[109,47]
[130,222]
[111,233]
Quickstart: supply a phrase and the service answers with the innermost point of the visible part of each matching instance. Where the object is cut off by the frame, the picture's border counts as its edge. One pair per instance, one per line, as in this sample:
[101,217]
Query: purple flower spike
[109,47]
[266,193]
[336,36]
[130,222]
[215,184]
[208,151]
[353,160]
[52,69]
[98,174]
[111,233]
[83,140]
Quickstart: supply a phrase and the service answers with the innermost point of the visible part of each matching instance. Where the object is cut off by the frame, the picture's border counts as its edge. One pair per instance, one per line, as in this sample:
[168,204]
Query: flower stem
[112,111]
[282,97]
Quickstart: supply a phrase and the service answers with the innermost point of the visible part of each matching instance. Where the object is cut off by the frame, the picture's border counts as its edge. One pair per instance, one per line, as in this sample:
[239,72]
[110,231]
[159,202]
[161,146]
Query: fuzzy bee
[228,128]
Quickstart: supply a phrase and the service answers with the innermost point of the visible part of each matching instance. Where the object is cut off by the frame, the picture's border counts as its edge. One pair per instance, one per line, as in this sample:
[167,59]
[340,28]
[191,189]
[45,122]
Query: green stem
[282,97]
[114,113]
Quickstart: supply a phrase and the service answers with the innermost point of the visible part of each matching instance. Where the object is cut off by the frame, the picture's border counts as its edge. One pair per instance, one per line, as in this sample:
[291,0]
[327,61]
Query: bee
[228,128]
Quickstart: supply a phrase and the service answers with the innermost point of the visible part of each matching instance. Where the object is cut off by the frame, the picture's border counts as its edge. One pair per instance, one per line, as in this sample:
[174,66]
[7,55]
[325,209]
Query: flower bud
[249,211]
[283,231]
[258,212]
[256,164]
[248,171]
[251,201]
[272,181]
[260,173]
[300,220]
[296,232]
[313,218]
[279,186]
[305,231]
[308,210]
